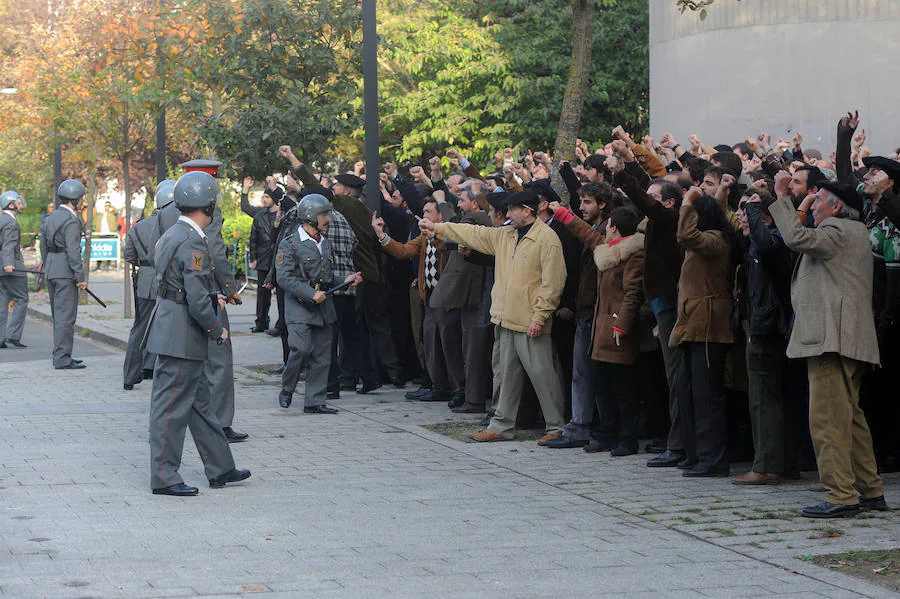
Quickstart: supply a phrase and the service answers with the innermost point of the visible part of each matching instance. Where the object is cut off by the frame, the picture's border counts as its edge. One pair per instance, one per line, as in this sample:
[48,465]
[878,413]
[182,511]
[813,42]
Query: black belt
[176,296]
[54,252]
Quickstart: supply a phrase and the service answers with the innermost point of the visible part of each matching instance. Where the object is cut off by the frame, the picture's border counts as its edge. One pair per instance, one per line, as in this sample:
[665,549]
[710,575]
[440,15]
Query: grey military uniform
[300,268]
[61,255]
[183,321]
[139,247]
[13,285]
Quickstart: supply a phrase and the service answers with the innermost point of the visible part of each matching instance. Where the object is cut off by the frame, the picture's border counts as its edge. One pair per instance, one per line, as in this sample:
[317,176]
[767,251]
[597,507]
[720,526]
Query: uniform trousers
[15,289]
[64,310]
[519,355]
[181,400]
[839,431]
[310,347]
[136,357]
[218,372]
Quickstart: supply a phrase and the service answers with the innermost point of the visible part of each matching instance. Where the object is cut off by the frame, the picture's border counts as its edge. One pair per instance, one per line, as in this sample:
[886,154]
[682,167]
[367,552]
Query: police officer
[61,255]
[139,246]
[13,285]
[304,269]
[184,319]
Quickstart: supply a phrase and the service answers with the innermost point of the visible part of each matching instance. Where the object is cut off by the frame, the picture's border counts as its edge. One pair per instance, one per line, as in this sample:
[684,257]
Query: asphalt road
[38,336]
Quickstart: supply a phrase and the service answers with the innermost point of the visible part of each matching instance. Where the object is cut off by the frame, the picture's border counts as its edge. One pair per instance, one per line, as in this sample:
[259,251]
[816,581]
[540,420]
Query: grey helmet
[165,193]
[8,200]
[311,206]
[70,190]
[196,190]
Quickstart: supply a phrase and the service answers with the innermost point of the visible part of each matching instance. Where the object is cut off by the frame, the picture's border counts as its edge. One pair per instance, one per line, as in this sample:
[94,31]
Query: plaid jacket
[343,243]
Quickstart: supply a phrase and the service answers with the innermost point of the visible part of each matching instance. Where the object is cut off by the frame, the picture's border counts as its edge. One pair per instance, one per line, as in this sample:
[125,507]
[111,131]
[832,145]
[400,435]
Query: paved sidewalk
[368,503]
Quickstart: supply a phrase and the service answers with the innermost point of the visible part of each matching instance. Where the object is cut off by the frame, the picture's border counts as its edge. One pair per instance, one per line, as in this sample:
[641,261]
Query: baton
[343,285]
[38,272]
[91,293]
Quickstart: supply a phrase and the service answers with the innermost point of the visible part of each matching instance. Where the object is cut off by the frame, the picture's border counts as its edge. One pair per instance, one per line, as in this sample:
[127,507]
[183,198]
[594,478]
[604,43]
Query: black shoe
[467,408]
[398,381]
[319,410]
[830,510]
[128,386]
[705,472]
[368,388]
[284,400]
[13,343]
[147,374]
[435,396]
[656,446]
[233,436]
[233,476]
[418,393]
[258,330]
[564,442]
[73,365]
[456,400]
[874,504]
[279,370]
[686,464]
[275,332]
[486,421]
[332,395]
[78,361]
[666,459]
[621,450]
[348,386]
[595,446]
[2,343]
[179,490]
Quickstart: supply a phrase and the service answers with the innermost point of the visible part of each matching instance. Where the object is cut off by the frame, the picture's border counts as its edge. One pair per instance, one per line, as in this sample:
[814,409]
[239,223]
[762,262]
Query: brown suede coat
[620,294]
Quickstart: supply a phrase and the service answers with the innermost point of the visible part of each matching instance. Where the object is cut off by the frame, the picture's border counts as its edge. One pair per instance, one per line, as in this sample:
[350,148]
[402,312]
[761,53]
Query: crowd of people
[727,302]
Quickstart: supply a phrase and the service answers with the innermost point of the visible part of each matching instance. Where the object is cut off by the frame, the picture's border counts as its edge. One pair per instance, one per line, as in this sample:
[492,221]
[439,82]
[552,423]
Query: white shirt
[69,208]
[193,225]
[104,224]
[11,213]
[301,232]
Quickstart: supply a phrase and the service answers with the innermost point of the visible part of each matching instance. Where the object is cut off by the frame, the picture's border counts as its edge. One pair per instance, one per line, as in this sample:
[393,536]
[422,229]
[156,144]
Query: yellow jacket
[528,276]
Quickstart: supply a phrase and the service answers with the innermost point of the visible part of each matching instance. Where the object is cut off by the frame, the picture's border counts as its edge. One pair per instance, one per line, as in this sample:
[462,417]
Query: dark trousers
[374,298]
[136,358]
[442,332]
[353,356]
[701,398]
[772,418]
[563,336]
[401,325]
[285,348]
[617,404]
[477,344]
[665,321]
[263,301]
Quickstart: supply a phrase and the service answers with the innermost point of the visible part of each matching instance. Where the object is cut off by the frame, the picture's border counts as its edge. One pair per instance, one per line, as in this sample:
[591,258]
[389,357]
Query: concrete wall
[779,66]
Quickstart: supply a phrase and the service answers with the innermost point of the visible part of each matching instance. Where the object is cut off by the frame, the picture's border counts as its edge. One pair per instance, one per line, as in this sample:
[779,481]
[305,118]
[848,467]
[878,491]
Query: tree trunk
[576,88]
[126,178]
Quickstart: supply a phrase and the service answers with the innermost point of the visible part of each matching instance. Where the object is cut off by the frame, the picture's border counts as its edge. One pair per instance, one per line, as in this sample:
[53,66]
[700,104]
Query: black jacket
[766,299]
[262,240]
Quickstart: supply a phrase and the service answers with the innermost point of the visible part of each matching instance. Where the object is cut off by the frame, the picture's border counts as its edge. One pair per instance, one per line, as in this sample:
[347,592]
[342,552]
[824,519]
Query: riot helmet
[70,190]
[310,207]
[165,193]
[196,190]
[9,200]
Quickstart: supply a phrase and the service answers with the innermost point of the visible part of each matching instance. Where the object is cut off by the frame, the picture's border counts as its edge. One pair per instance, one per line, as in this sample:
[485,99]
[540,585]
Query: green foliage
[236,223]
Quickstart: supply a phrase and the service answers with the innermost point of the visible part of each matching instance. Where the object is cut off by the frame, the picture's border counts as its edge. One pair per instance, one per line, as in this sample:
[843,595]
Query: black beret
[844,193]
[350,180]
[891,167]
[524,198]
[323,191]
[543,188]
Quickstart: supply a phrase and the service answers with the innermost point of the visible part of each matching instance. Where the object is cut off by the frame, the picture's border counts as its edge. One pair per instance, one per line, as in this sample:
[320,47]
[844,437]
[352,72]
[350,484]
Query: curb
[82,331]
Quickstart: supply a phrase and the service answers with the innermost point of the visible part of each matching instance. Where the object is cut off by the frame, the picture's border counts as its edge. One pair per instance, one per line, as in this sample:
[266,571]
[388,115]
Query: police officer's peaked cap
[70,190]
[196,190]
[165,193]
[8,199]
[311,206]
[210,167]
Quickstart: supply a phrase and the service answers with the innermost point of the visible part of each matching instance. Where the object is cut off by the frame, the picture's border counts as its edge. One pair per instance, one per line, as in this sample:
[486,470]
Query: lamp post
[370,99]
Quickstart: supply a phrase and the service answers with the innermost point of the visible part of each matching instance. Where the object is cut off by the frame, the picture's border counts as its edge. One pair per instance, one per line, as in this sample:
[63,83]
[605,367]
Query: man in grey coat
[831,293]
[184,320]
[305,270]
[13,285]
[61,255]
[139,248]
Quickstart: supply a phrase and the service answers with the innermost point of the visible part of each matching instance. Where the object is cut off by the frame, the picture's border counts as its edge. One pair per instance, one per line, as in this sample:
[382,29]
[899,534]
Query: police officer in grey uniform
[183,322]
[13,285]
[139,247]
[219,368]
[304,269]
[61,255]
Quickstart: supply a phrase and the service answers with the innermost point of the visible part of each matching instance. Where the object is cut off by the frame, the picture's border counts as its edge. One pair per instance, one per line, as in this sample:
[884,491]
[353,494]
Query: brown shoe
[548,437]
[757,478]
[487,436]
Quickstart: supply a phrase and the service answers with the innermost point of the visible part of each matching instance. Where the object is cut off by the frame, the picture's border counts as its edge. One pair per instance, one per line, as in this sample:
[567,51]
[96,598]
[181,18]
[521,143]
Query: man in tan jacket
[528,281]
[831,292]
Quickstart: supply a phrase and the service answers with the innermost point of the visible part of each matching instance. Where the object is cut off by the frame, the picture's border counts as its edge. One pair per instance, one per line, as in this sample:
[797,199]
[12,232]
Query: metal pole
[162,171]
[370,97]
[57,169]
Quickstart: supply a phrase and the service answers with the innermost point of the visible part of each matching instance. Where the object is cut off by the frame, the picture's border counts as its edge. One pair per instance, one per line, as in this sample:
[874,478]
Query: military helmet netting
[196,190]
[71,190]
[8,199]
[165,193]
[311,206]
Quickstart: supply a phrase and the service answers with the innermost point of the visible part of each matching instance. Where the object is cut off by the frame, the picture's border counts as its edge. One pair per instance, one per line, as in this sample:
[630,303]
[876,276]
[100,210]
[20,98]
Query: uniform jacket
[462,281]
[184,318]
[416,249]
[61,245]
[620,294]
[140,244]
[300,268]
[706,286]
[528,275]
[168,216]
[10,246]
[262,240]
[831,287]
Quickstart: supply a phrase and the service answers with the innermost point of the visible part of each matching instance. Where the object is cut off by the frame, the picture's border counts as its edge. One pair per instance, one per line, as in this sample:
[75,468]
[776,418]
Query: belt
[176,296]
[144,263]
[54,252]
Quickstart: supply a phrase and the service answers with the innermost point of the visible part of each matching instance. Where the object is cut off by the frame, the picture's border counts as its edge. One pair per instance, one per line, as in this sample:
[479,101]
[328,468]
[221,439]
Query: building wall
[779,66]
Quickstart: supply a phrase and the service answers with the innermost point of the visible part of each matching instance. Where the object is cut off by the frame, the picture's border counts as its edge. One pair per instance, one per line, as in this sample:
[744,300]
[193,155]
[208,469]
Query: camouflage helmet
[165,193]
[196,190]
[70,190]
[311,206]
[9,199]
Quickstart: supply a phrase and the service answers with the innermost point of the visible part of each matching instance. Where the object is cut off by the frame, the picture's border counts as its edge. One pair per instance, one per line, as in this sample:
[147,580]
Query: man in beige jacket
[528,281]
[831,291]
